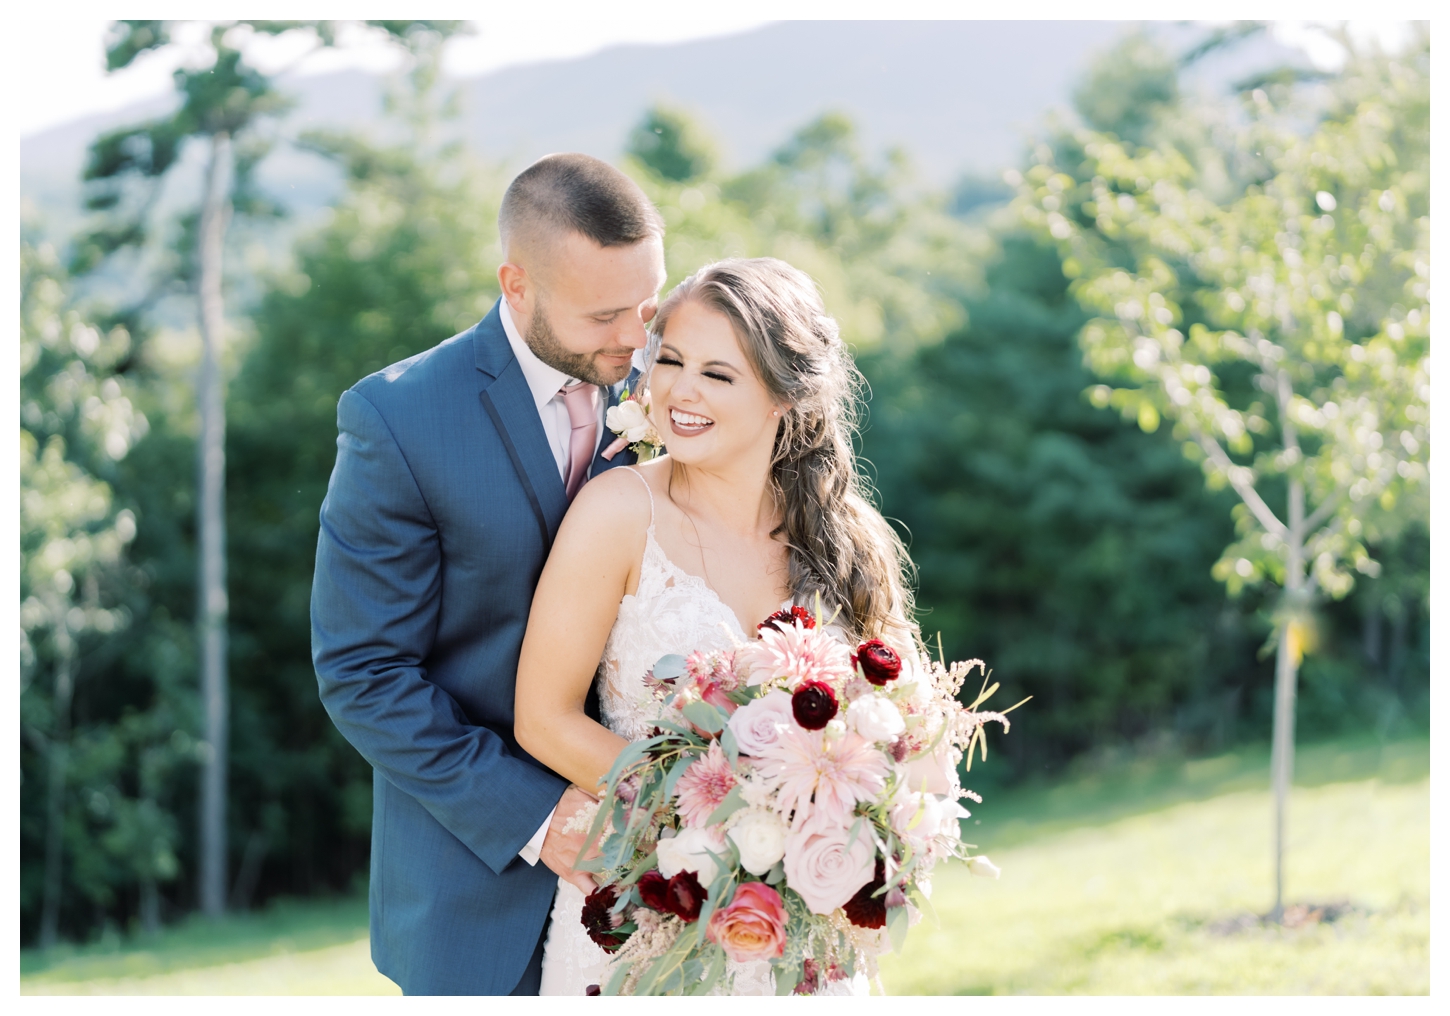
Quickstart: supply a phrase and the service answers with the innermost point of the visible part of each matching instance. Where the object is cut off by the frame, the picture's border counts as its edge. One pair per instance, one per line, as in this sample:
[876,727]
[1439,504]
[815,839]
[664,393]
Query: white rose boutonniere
[631,423]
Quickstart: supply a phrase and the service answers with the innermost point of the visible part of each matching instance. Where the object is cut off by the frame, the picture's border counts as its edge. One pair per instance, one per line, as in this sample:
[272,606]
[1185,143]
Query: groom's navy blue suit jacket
[440,511]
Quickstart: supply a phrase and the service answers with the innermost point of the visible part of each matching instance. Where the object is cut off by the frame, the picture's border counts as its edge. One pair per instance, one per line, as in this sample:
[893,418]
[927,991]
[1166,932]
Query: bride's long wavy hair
[840,546]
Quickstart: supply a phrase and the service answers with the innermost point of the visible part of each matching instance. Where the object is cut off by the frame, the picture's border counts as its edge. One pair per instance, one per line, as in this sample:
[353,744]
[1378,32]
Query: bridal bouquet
[789,808]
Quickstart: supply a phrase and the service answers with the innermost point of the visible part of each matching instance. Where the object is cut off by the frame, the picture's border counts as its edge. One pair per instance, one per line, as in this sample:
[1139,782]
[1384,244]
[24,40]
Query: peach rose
[752,927]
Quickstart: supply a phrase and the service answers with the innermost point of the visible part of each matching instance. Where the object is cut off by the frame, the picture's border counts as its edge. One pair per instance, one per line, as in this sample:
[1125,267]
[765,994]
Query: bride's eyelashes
[665,360]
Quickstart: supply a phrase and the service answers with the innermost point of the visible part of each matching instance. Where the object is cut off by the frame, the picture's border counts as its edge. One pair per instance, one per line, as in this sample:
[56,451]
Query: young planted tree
[1283,328]
[224,103]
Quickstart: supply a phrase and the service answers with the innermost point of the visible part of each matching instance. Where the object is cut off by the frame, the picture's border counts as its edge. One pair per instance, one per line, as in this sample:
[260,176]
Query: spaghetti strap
[651,494]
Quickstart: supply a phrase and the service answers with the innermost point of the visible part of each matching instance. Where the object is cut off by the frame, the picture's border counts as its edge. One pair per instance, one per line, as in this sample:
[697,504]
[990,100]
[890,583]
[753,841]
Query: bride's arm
[593,563]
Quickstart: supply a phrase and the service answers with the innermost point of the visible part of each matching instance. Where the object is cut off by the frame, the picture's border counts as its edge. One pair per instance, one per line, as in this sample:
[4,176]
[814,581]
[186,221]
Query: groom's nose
[631,332]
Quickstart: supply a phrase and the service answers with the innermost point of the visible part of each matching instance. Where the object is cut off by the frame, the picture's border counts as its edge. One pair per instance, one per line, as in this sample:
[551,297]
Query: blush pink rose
[825,866]
[752,927]
[756,725]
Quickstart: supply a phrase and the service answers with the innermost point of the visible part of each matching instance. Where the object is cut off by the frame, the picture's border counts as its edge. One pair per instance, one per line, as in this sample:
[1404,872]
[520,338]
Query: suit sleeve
[375,602]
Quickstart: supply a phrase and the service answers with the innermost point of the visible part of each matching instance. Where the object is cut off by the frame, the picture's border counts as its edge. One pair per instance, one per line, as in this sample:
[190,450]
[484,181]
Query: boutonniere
[630,421]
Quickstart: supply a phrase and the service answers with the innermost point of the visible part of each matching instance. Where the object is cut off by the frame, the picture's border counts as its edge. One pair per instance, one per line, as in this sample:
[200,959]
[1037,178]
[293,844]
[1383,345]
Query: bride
[757,505]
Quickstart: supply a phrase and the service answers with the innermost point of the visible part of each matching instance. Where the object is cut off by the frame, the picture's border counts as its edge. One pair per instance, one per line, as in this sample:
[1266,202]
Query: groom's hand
[560,848]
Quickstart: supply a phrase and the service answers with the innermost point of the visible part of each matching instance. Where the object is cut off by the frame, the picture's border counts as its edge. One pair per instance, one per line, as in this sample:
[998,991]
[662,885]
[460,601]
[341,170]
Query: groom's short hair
[574,193]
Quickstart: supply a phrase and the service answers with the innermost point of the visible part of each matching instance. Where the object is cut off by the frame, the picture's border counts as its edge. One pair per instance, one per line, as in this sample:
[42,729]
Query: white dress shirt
[544,383]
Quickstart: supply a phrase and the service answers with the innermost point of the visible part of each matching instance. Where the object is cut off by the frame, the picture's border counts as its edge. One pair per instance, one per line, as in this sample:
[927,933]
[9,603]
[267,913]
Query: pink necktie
[583,433]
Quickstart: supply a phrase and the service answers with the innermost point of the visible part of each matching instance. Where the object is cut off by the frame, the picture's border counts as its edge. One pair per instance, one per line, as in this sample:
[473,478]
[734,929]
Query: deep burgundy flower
[654,890]
[602,926]
[591,989]
[865,911]
[684,896]
[785,618]
[813,705]
[878,661]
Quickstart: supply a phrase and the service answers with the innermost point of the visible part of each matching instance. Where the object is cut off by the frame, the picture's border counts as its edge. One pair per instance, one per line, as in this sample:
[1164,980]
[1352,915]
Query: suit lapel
[606,438]
[509,403]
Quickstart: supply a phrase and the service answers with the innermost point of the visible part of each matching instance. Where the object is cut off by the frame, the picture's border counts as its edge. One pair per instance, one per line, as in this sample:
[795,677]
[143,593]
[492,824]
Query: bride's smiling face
[705,397]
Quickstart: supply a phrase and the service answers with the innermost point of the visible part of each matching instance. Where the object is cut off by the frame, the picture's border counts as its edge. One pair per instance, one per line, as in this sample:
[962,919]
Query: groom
[454,469]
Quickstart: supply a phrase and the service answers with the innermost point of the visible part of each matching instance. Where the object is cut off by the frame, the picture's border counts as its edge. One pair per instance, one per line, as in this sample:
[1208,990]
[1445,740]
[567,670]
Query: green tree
[672,146]
[224,102]
[76,419]
[1282,328]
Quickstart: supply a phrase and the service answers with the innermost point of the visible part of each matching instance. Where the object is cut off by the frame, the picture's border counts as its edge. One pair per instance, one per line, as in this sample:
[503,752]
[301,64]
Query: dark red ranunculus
[813,704]
[602,925]
[865,911]
[878,661]
[684,896]
[654,890]
[785,618]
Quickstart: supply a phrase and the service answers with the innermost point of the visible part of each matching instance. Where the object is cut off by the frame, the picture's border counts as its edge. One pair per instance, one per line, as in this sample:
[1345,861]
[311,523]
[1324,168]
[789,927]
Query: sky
[63,61]
[67,65]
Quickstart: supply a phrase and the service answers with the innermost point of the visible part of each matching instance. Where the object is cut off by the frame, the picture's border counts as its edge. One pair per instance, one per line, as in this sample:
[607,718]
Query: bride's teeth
[690,419]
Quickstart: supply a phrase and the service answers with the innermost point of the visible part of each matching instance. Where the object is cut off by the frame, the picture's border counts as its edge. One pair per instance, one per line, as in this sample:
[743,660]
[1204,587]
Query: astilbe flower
[704,785]
[837,773]
[796,654]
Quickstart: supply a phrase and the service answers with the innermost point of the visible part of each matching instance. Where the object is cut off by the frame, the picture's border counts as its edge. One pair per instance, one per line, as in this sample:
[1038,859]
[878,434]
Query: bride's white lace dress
[671,611]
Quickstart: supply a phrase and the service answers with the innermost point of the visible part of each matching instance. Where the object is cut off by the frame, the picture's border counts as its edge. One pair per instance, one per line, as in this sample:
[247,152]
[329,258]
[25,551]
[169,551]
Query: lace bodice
[670,611]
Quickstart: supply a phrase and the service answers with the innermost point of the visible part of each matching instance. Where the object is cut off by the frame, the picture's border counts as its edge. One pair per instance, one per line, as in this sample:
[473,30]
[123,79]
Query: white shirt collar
[544,381]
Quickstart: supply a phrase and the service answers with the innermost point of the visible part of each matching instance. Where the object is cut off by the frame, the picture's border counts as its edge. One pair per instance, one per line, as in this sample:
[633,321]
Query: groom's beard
[547,347]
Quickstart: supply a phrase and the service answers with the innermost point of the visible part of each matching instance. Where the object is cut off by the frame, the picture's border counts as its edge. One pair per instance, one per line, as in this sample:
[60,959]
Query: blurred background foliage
[1070,548]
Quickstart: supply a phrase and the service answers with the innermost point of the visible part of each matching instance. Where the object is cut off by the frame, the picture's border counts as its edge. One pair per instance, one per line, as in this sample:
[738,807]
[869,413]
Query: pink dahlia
[797,654]
[703,786]
[823,779]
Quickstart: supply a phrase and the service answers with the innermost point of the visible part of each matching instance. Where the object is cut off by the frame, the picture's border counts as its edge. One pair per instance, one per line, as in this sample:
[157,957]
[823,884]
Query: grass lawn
[1117,881]
[1122,883]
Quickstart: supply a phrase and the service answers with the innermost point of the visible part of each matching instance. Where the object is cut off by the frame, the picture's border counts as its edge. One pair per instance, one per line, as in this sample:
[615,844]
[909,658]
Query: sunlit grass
[1112,880]
[1109,891]
[293,947]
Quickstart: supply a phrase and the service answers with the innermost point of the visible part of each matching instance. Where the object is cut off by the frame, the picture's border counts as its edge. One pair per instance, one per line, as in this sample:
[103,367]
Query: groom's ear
[516,286]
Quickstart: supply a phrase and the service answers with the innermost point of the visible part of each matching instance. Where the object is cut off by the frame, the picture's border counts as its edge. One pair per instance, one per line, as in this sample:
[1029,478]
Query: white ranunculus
[875,718]
[756,725]
[628,420]
[918,817]
[759,835]
[689,850]
[932,774]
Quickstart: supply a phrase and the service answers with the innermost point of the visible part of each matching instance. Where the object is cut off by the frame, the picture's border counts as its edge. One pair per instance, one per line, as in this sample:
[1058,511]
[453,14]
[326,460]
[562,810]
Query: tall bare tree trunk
[57,761]
[211,529]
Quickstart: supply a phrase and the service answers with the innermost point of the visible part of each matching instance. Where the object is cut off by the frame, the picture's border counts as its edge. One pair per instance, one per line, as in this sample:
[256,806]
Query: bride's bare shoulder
[614,504]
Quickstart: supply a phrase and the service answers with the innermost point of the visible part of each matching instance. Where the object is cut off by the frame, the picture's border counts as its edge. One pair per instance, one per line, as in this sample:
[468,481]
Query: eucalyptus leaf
[897,923]
[669,667]
[705,716]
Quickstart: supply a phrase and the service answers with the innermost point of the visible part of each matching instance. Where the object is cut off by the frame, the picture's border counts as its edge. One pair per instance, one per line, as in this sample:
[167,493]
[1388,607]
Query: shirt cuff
[532,849]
